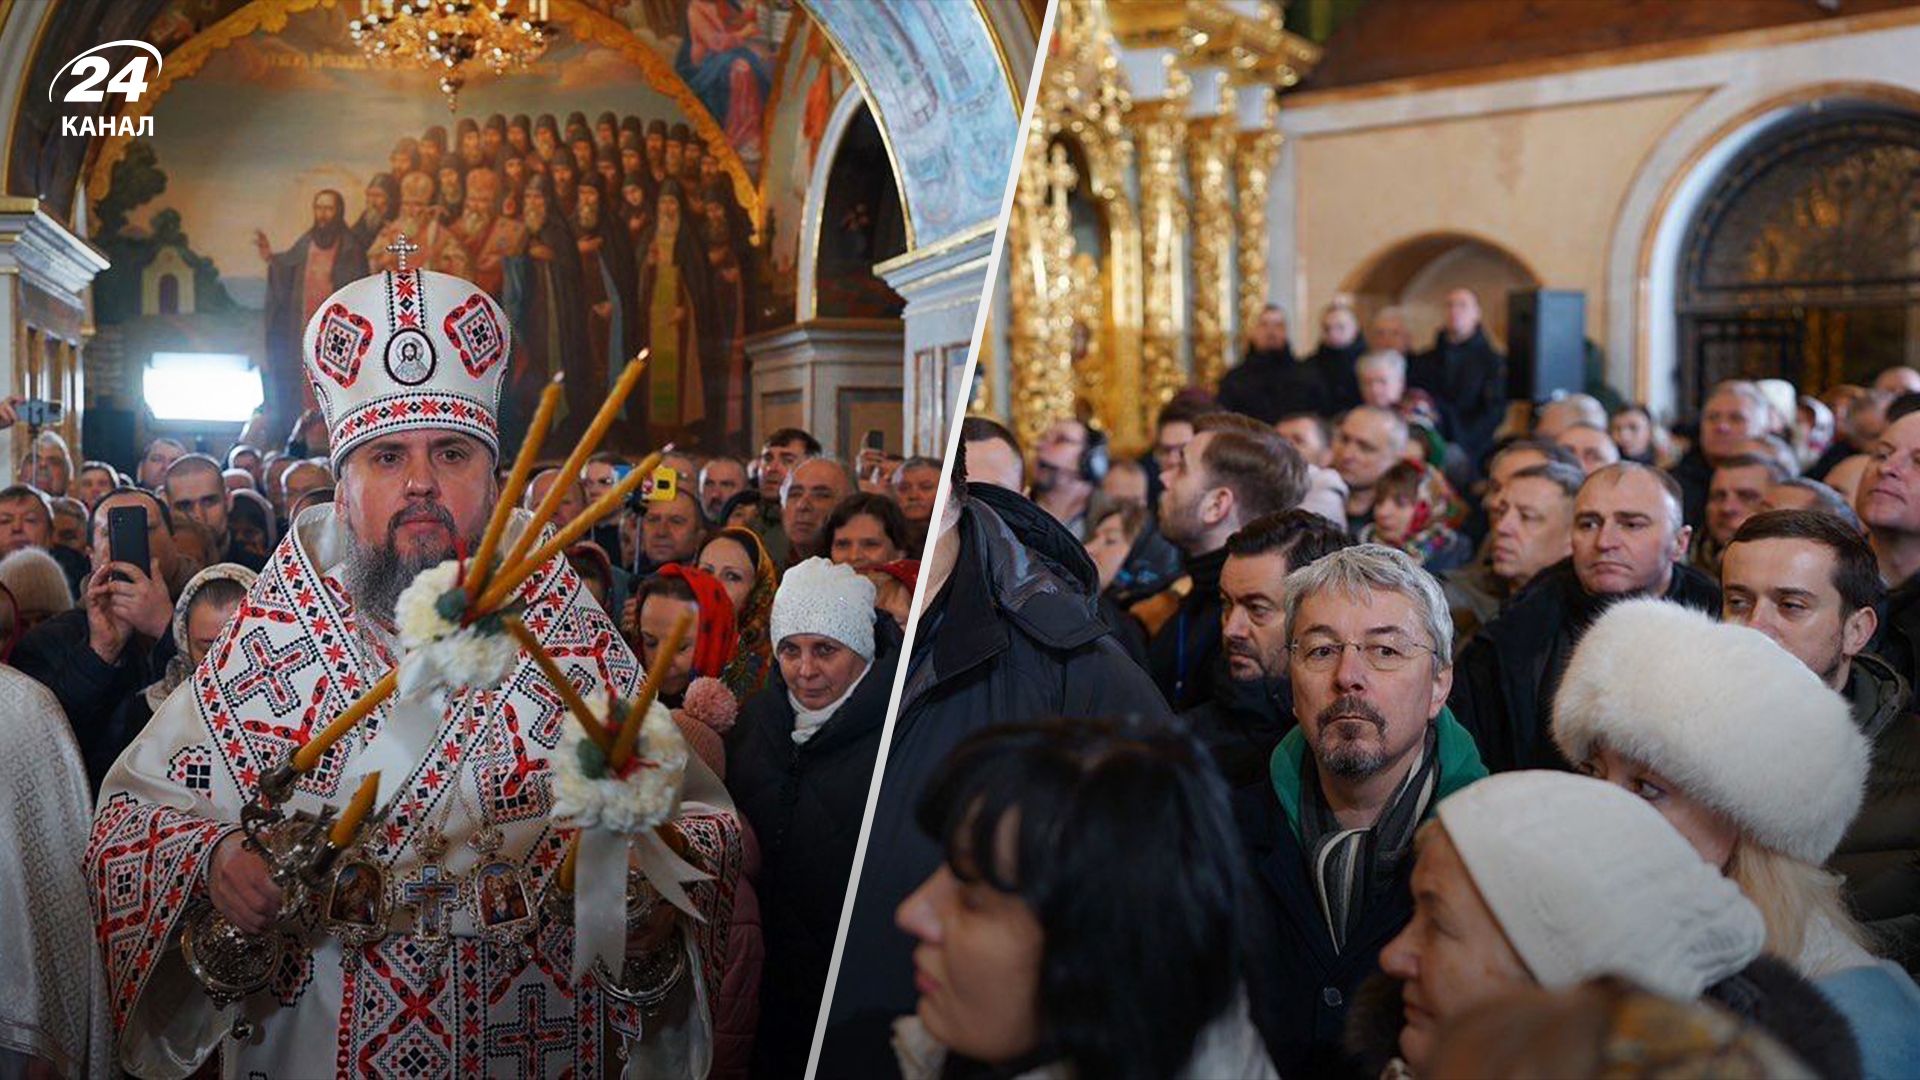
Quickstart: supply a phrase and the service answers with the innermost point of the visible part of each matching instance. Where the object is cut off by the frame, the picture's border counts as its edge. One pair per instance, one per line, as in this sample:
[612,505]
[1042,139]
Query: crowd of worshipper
[798,570]
[598,238]
[1370,726]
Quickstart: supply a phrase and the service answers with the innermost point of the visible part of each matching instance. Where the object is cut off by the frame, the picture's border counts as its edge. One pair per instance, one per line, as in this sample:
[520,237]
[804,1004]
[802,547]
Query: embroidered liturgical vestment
[292,659]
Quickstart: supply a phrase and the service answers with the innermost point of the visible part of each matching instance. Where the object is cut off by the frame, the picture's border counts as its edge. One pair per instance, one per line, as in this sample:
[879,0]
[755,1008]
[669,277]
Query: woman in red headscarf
[736,556]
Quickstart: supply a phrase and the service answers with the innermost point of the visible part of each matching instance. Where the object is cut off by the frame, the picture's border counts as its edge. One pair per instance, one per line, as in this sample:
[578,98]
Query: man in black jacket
[1252,703]
[1628,540]
[1341,346]
[1270,382]
[1010,633]
[1235,469]
[117,640]
[1806,579]
[1465,374]
[1329,836]
[799,765]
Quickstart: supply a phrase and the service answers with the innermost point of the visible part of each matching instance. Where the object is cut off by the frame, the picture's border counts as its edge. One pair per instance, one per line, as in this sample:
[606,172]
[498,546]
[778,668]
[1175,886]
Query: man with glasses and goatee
[1330,838]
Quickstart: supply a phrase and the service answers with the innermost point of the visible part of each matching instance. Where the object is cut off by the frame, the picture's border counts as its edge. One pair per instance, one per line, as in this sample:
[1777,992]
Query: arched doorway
[1415,275]
[1802,261]
[860,225]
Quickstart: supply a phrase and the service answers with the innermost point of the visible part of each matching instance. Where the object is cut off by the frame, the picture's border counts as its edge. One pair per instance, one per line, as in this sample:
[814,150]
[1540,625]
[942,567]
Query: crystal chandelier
[455,38]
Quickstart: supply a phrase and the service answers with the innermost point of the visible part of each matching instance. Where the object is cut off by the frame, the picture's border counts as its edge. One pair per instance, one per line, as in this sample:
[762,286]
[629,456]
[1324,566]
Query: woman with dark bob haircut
[1089,917]
[866,531]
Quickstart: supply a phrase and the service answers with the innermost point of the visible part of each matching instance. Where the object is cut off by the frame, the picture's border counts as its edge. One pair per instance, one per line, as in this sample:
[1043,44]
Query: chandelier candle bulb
[589,442]
[344,830]
[309,753]
[649,690]
[568,695]
[514,572]
[516,484]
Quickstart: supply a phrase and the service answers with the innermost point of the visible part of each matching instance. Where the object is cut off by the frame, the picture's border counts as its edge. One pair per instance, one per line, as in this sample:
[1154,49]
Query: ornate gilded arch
[1076,328]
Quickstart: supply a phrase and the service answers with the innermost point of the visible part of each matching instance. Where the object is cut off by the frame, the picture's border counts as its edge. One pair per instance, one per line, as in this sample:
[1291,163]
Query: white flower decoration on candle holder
[441,650]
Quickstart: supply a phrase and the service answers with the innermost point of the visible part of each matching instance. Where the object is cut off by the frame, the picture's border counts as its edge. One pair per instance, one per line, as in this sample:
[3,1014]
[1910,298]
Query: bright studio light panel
[203,387]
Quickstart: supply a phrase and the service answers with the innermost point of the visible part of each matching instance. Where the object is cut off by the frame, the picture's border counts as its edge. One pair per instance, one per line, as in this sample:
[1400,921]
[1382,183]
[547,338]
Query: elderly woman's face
[1452,954]
[818,669]
[976,965]
[725,561]
[1710,832]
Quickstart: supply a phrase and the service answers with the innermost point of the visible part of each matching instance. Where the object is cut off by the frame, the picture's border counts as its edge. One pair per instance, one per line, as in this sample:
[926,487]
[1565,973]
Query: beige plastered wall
[1545,185]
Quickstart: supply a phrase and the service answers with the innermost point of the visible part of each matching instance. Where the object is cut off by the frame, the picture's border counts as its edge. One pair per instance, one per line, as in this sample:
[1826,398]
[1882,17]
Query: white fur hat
[825,598]
[1736,721]
[406,350]
[1587,879]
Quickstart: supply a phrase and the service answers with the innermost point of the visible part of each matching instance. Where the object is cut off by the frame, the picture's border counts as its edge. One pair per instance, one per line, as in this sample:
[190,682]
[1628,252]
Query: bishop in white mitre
[457,966]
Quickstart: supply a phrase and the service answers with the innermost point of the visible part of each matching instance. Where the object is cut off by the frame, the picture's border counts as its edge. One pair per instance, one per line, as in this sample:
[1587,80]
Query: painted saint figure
[675,307]
[298,280]
[724,59]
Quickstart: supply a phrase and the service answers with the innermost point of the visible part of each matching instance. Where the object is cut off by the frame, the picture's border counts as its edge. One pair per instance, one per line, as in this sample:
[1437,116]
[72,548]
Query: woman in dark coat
[800,763]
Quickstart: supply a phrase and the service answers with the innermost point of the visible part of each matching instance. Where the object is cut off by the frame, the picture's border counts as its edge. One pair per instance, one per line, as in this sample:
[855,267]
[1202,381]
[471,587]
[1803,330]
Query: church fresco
[812,80]
[945,106]
[579,194]
[724,50]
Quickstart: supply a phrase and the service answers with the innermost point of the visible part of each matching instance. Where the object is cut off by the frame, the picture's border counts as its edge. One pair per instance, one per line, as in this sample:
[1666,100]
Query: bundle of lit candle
[451,616]
[617,781]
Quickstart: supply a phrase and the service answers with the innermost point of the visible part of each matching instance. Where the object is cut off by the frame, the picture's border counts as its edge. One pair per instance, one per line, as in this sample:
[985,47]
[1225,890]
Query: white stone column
[46,273]
[836,378]
[943,285]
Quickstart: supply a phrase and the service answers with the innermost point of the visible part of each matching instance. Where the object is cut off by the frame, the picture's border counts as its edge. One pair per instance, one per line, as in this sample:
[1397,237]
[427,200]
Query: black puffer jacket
[805,802]
[90,690]
[1506,677]
[1014,635]
[1333,366]
[1241,724]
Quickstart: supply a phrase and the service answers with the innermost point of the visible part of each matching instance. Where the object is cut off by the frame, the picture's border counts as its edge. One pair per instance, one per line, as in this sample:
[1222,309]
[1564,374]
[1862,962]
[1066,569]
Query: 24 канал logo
[84,75]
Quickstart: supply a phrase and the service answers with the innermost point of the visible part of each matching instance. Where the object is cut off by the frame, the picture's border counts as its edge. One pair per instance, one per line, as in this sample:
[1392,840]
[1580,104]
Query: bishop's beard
[376,574]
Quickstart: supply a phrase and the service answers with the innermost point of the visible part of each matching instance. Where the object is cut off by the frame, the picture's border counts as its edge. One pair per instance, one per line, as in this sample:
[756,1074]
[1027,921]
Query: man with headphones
[1069,463]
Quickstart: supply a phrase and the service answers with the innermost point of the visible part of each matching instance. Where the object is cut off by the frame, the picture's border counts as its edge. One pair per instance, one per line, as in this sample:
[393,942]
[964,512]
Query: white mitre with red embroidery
[404,350]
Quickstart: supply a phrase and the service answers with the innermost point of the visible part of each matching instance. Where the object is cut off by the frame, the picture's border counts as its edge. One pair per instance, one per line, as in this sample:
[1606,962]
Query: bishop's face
[411,493]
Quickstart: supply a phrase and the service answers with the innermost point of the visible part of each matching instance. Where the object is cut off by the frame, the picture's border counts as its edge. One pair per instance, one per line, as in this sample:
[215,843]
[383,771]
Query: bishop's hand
[241,887]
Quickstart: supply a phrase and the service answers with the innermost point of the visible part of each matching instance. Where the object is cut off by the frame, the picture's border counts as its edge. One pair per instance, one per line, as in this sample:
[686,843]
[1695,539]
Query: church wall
[1543,184]
[1614,160]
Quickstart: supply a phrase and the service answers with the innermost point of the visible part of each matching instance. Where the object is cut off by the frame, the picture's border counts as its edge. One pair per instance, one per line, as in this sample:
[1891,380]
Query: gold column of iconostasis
[1137,247]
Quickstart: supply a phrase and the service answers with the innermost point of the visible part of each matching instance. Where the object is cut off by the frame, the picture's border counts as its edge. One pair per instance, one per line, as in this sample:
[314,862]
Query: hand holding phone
[127,537]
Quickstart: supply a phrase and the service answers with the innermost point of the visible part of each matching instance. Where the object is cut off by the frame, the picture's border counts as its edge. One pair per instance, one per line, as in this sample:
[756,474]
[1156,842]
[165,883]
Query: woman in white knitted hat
[1548,879]
[799,764]
[1760,766]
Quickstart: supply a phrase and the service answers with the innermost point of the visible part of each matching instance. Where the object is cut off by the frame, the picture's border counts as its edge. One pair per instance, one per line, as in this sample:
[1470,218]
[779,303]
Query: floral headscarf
[748,672]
